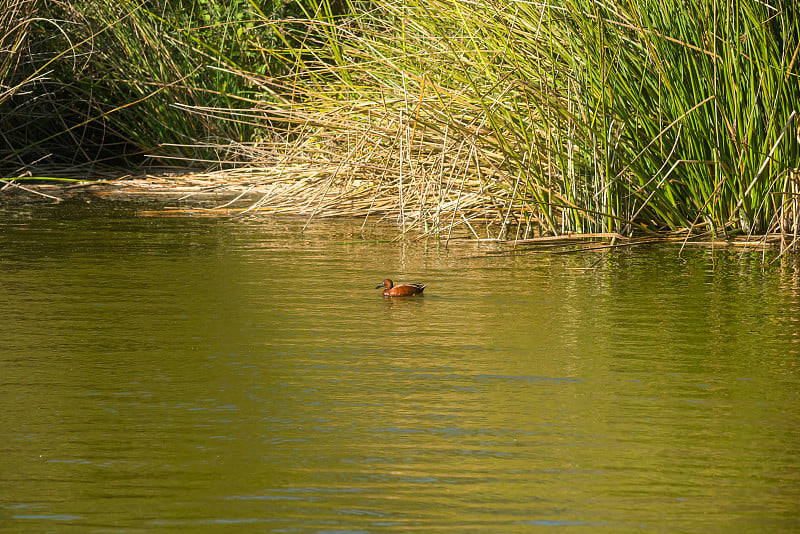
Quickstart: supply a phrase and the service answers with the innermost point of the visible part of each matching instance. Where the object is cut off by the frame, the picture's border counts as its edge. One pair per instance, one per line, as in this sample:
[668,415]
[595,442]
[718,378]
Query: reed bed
[593,117]
[506,120]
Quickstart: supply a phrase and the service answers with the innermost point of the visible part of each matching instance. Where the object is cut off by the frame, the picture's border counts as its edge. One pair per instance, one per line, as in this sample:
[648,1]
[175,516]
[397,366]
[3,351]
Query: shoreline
[215,195]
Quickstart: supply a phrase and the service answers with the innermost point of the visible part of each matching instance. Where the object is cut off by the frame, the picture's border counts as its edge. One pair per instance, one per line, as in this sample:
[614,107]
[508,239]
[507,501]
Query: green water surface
[240,375]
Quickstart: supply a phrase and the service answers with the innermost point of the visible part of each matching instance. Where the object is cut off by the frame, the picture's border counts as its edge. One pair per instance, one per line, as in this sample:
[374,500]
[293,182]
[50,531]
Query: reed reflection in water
[212,375]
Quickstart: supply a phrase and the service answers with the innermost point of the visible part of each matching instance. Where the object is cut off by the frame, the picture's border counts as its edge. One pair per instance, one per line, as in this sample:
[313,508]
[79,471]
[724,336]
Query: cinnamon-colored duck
[404,290]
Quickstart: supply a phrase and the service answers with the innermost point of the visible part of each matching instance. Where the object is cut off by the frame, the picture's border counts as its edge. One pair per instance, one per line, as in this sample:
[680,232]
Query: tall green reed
[687,106]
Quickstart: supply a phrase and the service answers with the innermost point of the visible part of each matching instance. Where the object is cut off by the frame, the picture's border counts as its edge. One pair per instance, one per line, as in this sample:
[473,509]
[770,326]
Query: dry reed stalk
[389,167]
[365,183]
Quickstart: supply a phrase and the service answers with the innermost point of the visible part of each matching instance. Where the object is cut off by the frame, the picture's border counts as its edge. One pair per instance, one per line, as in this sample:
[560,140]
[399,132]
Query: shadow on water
[193,374]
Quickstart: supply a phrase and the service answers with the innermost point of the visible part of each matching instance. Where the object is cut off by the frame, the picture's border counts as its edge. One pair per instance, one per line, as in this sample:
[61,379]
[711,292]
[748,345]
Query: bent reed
[507,120]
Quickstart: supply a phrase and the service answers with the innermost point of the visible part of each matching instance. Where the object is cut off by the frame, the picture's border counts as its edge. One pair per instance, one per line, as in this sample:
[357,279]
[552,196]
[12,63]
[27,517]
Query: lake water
[240,375]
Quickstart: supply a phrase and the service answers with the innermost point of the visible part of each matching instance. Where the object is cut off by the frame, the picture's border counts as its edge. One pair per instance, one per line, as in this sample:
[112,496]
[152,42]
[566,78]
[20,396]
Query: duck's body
[404,290]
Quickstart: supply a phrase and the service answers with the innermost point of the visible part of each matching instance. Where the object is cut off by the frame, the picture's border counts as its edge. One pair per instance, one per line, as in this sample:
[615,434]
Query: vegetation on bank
[93,82]
[549,118]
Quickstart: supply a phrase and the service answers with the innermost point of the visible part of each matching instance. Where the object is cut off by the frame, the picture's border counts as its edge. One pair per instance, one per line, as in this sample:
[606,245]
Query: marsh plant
[608,117]
[574,116]
[93,81]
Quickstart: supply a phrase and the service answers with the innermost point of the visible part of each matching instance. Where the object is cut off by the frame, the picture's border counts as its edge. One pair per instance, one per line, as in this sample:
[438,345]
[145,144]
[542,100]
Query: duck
[403,290]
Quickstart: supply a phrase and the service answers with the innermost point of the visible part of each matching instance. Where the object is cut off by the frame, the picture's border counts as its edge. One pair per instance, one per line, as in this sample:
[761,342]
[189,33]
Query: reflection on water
[197,374]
